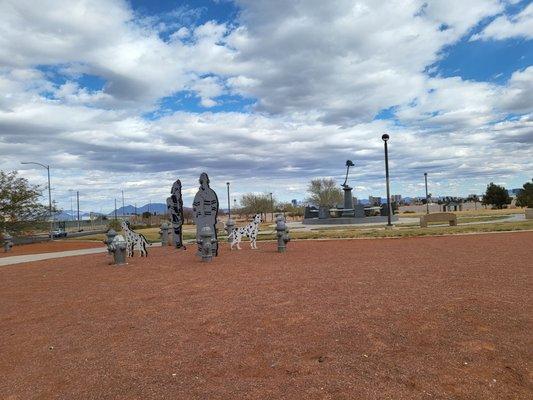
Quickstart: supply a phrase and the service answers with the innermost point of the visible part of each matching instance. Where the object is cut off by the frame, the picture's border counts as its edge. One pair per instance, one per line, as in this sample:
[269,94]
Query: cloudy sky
[130,95]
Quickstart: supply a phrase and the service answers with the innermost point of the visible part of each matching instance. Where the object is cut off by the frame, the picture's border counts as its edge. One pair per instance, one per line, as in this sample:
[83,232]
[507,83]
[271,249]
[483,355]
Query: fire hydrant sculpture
[282,233]
[230,225]
[8,242]
[207,244]
[110,236]
[164,234]
[117,247]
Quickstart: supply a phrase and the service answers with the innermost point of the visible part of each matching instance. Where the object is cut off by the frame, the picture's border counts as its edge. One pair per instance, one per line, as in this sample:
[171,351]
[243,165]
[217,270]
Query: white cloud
[505,26]
[318,74]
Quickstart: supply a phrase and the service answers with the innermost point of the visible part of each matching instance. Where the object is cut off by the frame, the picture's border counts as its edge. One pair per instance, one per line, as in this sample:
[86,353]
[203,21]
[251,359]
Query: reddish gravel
[434,317]
[49,247]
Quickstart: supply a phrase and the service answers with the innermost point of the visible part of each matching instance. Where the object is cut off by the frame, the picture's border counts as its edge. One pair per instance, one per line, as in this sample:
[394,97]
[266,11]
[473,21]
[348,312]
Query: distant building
[396,198]
[294,202]
[374,201]
[355,201]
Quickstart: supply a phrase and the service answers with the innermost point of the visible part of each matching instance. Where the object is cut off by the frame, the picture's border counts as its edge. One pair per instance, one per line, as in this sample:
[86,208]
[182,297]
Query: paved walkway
[58,254]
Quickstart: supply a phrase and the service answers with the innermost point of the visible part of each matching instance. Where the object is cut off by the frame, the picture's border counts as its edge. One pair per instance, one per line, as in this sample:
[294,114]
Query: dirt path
[419,318]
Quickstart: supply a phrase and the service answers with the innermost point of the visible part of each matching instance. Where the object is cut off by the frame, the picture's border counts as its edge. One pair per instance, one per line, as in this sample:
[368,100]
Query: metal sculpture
[175,208]
[282,233]
[205,212]
[348,199]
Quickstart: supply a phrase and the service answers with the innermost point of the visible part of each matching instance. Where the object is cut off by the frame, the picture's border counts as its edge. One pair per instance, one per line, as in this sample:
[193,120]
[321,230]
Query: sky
[266,94]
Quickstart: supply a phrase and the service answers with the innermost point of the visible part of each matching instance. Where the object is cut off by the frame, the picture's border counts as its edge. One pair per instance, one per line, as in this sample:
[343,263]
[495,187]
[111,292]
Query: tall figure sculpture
[205,211]
[348,199]
[175,209]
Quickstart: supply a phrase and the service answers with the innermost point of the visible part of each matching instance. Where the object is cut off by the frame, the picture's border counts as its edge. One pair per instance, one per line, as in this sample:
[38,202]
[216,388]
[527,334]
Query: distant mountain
[66,215]
[157,208]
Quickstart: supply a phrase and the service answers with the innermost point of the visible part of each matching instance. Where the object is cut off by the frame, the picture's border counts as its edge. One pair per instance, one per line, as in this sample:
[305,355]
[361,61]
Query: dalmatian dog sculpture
[249,230]
[134,240]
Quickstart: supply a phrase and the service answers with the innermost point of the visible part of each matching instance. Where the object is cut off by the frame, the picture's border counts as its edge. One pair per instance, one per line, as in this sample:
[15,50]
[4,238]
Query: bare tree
[324,192]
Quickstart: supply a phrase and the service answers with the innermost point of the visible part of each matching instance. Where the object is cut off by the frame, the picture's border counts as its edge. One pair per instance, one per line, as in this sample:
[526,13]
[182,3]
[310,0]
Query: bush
[114,224]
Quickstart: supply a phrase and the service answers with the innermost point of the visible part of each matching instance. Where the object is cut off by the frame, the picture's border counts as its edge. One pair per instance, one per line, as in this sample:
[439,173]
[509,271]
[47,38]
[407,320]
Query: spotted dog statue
[249,230]
[175,208]
[134,240]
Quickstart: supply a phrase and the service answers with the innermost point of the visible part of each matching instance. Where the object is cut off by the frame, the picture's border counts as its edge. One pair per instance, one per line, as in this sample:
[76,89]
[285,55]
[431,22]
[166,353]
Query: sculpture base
[348,220]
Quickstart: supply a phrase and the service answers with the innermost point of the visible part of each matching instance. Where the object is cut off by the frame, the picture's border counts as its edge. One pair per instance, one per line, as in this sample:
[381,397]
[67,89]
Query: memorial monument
[349,213]
[205,212]
[348,199]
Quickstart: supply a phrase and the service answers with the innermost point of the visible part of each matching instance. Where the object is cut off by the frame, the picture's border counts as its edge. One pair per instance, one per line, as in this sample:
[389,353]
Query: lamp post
[49,195]
[229,208]
[385,139]
[427,200]
[272,206]
[230,224]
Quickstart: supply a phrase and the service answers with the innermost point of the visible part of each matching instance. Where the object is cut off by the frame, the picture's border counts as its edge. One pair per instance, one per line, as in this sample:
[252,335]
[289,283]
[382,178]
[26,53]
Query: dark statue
[175,209]
[205,212]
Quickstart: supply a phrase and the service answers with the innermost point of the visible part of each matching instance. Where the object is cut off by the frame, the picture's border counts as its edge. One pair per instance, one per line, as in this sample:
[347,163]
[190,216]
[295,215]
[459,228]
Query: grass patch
[152,234]
[408,231]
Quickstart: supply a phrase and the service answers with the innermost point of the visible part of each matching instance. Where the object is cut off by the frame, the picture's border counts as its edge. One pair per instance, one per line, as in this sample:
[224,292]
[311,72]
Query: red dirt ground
[49,247]
[434,317]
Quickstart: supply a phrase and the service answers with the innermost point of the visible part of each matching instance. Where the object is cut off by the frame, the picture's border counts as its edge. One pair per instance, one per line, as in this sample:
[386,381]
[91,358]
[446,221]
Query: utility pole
[115,209]
[427,197]
[123,203]
[78,200]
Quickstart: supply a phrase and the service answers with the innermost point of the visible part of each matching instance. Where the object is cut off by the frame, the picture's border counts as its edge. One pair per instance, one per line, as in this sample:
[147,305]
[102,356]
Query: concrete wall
[438,208]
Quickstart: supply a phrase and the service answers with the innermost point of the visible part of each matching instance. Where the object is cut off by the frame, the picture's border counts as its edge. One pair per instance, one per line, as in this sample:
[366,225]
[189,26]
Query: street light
[49,195]
[230,224]
[427,200]
[385,138]
[272,206]
[229,208]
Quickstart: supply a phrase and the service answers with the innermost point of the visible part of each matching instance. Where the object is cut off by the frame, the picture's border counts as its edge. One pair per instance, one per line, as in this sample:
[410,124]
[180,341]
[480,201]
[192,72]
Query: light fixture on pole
[230,224]
[49,195]
[272,206]
[385,139]
[427,197]
[229,205]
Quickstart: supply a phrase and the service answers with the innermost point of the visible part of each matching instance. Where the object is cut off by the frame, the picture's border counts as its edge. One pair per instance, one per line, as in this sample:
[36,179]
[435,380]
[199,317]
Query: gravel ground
[49,247]
[419,318]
